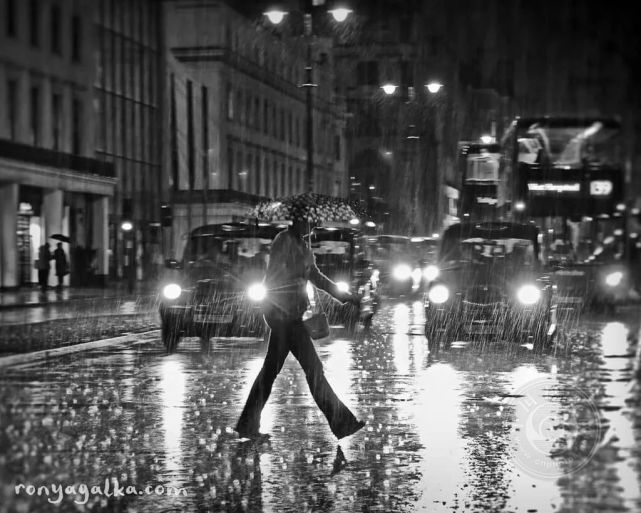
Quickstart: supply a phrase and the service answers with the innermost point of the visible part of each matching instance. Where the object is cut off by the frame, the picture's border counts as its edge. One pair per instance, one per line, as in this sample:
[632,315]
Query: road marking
[14,359]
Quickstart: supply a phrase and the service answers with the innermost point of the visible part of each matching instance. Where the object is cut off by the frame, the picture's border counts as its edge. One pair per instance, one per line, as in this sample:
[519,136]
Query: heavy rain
[319,256]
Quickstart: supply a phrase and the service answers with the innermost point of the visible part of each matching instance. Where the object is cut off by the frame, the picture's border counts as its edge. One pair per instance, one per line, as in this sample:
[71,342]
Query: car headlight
[430,273]
[342,286]
[614,279]
[257,292]
[438,294]
[402,272]
[172,291]
[528,294]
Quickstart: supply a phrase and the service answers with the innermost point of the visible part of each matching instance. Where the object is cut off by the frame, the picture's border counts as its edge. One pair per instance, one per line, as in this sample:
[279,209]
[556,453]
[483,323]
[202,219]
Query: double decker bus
[562,166]
[566,174]
[479,168]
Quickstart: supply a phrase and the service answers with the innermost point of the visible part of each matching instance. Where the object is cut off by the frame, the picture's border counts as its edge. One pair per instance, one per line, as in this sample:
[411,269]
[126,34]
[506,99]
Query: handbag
[317,325]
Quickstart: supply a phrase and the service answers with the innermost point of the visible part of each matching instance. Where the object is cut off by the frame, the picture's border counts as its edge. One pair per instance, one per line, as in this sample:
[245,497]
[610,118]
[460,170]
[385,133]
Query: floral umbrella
[312,206]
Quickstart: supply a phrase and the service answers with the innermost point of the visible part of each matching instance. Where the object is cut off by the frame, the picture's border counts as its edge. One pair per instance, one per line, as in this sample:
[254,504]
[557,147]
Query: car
[491,285]
[601,281]
[216,289]
[425,249]
[339,251]
[397,264]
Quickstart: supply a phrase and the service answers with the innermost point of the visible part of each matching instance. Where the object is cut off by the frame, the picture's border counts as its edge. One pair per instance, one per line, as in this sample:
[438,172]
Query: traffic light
[166,215]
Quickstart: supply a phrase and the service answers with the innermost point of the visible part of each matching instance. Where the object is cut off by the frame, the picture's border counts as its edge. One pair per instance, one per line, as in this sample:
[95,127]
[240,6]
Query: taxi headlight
[614,279]
[257,292]
[430,273]
[438,294]
[342,286]
[402,272]
[171,291]
[528,294]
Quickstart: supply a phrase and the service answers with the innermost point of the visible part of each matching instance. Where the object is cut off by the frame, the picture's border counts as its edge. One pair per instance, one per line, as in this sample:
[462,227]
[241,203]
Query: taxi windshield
[513,252]
[221,250]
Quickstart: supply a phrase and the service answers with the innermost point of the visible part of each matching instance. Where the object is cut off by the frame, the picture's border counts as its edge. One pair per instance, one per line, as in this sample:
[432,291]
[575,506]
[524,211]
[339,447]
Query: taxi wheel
[170,336]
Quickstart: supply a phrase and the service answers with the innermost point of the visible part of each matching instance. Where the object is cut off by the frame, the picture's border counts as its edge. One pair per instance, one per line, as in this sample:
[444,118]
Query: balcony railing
[44,157]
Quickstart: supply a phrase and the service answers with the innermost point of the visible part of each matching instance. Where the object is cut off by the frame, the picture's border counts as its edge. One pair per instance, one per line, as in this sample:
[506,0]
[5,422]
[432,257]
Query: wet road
[498,429]
[79,308]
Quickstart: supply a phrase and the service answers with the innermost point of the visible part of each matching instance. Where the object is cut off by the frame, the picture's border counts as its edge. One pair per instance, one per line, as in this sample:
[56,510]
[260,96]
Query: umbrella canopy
[60,237]
[311,206]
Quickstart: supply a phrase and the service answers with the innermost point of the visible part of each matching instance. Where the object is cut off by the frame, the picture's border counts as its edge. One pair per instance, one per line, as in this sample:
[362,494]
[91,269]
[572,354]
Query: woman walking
[291,266]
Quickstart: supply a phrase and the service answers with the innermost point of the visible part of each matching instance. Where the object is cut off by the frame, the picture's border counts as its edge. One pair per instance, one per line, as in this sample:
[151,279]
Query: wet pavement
[492,429]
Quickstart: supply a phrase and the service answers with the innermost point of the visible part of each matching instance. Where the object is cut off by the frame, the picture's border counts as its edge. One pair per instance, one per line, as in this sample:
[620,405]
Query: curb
[15,359]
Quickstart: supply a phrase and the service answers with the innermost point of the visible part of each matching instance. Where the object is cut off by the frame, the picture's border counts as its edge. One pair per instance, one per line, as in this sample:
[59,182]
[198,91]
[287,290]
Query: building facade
[127,92]
[237,116]
[51,181]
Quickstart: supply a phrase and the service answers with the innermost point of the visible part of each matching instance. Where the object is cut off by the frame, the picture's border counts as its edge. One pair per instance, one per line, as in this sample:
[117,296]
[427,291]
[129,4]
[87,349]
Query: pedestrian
[62,266]
[44,265]
[291,265]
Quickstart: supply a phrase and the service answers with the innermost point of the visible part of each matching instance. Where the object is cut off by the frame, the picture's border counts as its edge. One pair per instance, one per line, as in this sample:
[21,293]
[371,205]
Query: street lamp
[434,87]
[127,228]
[276,16]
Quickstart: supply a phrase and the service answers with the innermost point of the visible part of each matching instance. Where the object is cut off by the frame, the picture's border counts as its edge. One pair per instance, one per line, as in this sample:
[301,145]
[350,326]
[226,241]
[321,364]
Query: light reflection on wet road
[498,429]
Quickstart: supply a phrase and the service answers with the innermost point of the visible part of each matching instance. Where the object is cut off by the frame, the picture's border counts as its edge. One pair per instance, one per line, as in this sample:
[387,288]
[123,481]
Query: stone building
[52,182]
[237,115]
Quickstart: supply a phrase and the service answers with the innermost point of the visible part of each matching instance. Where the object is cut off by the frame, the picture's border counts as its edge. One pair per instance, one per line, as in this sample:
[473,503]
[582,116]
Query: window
[257,113]
[266,117]
[56,120]
[76,126]
[34,23]
[10,17]
[337,147]
[76,36]
[268,191]
[230,103]
[55,29]
[34,121]
[257,174]
[205,133]
[12,110]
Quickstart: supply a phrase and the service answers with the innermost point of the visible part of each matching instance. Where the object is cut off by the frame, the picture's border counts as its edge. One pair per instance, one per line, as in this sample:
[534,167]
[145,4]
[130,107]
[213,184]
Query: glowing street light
[275,16]
[487,139]
[434,87]
[389,89]
[340,14]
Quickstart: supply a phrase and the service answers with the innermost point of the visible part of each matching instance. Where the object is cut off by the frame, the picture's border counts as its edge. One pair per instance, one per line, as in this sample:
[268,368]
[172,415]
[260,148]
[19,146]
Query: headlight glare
[342,286]
[614,279]
[257,292]
[528,294]
[430,273]
[402,272]
[171,291]
[438,294]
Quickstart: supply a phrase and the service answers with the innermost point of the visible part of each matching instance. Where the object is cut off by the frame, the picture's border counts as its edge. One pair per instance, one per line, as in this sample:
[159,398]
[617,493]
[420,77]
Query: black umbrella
[60,237]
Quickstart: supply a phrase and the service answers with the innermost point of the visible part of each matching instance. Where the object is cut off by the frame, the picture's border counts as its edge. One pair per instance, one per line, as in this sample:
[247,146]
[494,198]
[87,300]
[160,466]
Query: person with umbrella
[291,266]
[62,267]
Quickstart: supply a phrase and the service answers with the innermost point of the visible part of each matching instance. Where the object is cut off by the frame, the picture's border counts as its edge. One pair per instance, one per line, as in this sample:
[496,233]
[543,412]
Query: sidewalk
[32,296]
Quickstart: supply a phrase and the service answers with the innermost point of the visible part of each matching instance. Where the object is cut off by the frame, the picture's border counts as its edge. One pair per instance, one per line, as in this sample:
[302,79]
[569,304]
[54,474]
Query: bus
[562,166]
[479,168]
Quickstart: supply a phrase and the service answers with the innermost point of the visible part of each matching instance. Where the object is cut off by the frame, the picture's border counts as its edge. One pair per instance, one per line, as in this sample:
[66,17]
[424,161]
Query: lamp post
[419,117]
[276,16]
[127,227]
